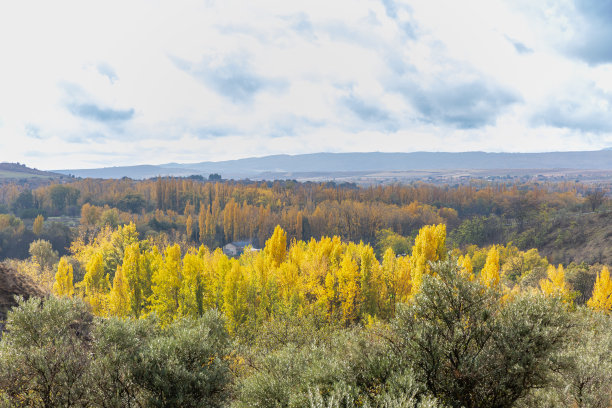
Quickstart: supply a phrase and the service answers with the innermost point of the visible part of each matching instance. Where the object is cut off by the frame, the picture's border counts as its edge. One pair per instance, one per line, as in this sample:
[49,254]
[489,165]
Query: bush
[468,348]
[44,353]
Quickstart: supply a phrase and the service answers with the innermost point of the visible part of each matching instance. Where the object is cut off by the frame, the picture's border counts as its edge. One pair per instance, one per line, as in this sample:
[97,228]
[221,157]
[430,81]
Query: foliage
[63,285]
[470,349]
[55,354]
[602,292]
[44,357]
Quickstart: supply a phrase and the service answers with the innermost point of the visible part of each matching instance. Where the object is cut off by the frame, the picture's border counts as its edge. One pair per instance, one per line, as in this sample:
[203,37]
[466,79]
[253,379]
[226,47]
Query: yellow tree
[429,246]
[63,285]
[348,289]
[96,284]
[133,275]
[490,273]
[119,298]
[37,227]
[390,286]
[369,282]
[235,302]
[192,286]
[466,268]
[602,292]
[555,284]
[202,223]
[189,227]
[166,287]
[276,247]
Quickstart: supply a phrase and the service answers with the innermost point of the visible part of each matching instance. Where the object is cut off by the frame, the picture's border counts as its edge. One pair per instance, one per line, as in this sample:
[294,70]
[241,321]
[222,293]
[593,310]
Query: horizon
[314,153]
[216,81]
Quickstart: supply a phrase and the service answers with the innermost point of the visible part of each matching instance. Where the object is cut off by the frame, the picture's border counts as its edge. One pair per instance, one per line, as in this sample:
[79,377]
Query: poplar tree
[96,284]
[63,285]
[167,285]
[119,298]
[602,292]
[429,246]
[348,290]
[555,284]
[37,227]
[276,247]
[490,273]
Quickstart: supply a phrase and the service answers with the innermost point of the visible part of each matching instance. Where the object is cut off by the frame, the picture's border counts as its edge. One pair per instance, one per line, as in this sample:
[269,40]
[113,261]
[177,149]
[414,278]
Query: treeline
[215,213]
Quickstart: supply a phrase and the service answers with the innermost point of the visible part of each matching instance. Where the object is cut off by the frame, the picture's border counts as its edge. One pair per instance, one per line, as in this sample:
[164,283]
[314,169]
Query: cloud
[289,125]
[214,131]
[519,46]
[391,9]
[466,105]
[231,77]
[587,110]
[94,112]
[370,113]
[32,131]
[108,71]
[301,24]
[80,104]
[593,31]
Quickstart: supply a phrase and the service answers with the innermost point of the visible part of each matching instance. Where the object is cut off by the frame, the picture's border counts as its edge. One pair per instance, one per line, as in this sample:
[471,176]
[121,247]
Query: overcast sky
[90,84]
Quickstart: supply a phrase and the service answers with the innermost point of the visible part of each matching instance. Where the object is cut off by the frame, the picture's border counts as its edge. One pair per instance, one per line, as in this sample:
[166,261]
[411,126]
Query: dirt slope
[13,284]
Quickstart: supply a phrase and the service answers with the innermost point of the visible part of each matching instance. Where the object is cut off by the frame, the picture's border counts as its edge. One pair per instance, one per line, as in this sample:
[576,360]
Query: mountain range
[317,165]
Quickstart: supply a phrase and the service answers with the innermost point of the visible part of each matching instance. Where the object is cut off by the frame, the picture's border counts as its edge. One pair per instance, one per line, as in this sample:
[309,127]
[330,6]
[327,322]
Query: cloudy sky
[97,83]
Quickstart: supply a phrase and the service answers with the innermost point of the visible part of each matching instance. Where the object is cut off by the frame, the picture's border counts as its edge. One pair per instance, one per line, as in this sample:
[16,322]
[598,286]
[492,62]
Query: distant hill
[20,171]
[287,166]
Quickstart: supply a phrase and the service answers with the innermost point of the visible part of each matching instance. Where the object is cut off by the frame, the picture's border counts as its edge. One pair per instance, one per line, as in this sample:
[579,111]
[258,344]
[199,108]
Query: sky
[86,84]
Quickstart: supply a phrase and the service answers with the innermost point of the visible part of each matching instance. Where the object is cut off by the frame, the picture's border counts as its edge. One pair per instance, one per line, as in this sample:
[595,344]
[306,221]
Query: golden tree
[119,298]
[466,268]
[602,292]
[276,247]
[63,285]
[429,246]
[37,227]
[555,284]
[490,273]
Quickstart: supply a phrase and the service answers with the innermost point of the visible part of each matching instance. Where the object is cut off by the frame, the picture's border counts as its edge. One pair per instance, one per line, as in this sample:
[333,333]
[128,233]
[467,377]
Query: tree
[602,292]
[490,273]
[166,287]
[187,364]
[429,246]
[42,253]
[63,285]
[468,349]
[465,265]
[45,353]
[119,297]
[555,284]
[189,227]
[37,227]
[97,284]
[348,289]
[276,247]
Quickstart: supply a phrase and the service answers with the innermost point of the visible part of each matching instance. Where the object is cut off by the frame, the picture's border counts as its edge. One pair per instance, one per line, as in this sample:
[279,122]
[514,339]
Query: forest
[346,296]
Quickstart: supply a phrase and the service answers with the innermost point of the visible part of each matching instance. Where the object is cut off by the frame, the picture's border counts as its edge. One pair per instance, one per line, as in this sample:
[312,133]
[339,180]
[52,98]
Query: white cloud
[89,84]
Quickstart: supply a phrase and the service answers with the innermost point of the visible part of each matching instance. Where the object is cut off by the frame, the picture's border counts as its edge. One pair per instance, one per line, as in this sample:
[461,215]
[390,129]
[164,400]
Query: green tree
[187,365]
[42,253]
[45,354]
[468,349]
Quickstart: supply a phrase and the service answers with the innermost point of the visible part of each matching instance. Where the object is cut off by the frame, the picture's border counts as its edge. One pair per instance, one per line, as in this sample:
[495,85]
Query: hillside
[13,284]
[331,165]
[21,171]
